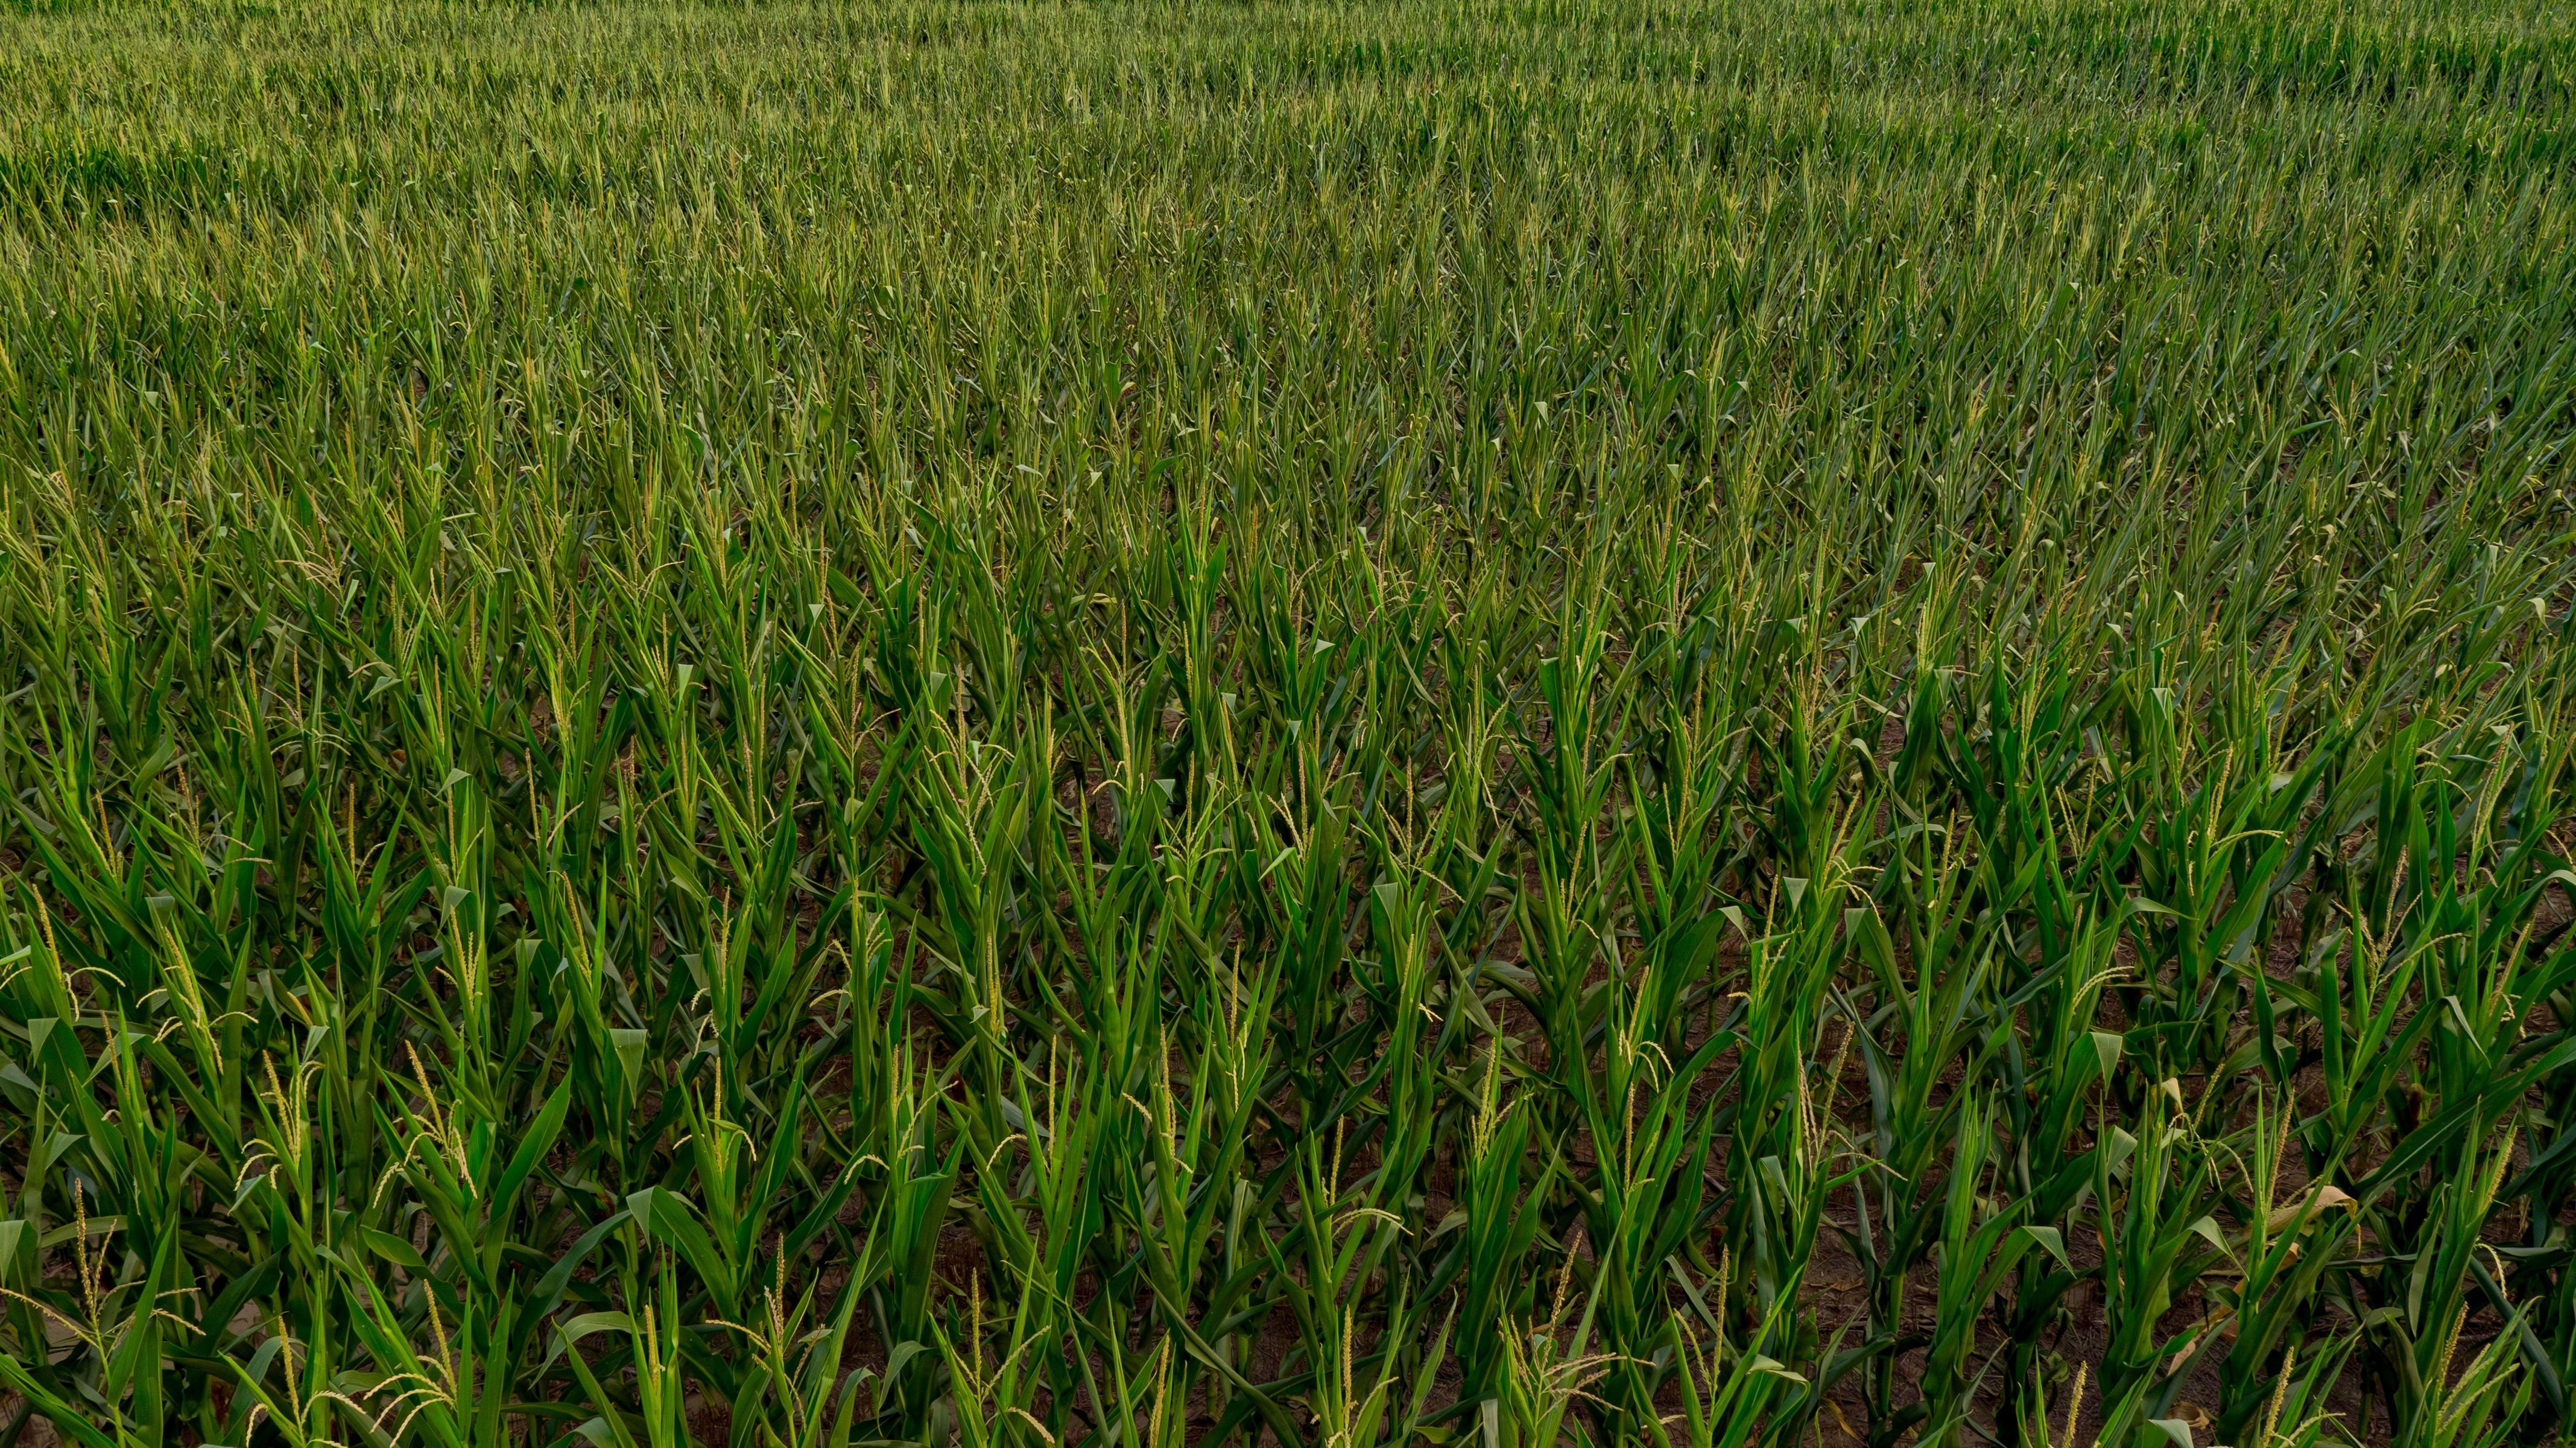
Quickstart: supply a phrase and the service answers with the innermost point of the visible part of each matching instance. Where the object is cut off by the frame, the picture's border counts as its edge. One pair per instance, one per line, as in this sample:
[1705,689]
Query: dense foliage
[1501,724]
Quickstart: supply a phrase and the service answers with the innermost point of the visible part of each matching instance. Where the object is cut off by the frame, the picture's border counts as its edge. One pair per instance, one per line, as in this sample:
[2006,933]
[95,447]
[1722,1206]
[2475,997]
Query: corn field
[1148,723]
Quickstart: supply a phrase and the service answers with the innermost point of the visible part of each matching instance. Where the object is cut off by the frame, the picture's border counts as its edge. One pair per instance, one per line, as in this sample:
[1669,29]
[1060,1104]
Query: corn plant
[1314,725]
